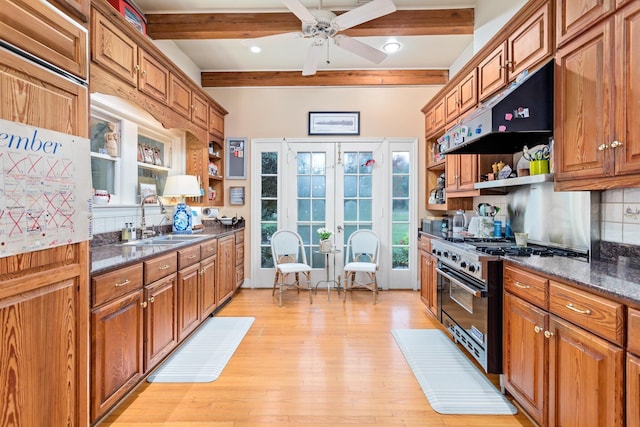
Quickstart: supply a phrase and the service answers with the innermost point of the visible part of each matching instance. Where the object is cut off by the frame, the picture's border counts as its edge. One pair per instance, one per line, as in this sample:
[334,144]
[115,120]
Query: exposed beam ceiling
[325,78]
[250,25]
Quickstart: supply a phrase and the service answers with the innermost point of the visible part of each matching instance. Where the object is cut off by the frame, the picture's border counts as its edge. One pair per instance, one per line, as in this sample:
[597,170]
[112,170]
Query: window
[120,136]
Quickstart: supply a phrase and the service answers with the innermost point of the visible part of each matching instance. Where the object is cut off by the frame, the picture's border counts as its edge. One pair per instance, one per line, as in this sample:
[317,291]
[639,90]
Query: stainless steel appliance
[470,291]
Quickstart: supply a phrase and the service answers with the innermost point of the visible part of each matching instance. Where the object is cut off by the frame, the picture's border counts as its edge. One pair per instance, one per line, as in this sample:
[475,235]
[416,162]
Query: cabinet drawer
[108,286]
[159,267]
[424,244]
[526,285]
[209,248]
[239,254]
[633,331]
[596,314]
[188,256]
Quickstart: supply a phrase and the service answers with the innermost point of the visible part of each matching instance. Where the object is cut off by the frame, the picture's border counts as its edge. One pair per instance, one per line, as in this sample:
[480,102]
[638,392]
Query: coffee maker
[437,195]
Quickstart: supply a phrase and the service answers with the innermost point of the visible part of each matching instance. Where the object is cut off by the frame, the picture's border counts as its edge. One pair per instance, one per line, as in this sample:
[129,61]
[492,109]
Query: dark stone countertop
[618,280]
[107,256]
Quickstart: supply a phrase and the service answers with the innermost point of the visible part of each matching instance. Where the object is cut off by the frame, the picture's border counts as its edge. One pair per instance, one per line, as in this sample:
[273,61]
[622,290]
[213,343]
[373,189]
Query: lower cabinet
[226,283]
[239,258]
[561,372]
[188,310]
[428,277]
[161,332]
[633,390]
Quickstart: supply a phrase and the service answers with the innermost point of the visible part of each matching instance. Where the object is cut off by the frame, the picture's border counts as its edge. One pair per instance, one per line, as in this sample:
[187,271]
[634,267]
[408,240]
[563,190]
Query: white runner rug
[205,353]
[451,382]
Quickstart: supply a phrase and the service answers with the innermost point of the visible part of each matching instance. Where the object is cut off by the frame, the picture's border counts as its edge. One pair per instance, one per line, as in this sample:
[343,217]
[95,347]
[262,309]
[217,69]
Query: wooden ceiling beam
[251,25]
[325,78]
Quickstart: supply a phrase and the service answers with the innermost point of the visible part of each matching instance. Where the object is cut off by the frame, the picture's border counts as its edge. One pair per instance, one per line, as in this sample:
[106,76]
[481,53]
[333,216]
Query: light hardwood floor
[326,364]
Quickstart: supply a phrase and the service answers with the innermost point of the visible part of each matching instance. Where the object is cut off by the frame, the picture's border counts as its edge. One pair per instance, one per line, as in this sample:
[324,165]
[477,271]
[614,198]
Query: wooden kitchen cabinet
[31,27]
[208,268]
[226,282]
[188,102]
[573,18]
[79,9]
[117,336]
[462,97]
[428,277]
[633,391]
[435,119]
[216,122]
[462,172]
[161,326]
[559,372]
[188,290]
[239,258]
[597,76]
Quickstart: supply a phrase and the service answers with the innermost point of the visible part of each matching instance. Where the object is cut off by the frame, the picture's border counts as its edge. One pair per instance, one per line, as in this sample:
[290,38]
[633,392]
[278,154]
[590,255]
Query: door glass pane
[400,208]
[351,210]
[365,186]
[312,171]
[103,174]
[358,203]
[350,186]
[269,204]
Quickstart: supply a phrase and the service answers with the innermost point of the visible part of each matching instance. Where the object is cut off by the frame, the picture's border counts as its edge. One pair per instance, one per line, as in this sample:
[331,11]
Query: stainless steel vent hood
[521,115]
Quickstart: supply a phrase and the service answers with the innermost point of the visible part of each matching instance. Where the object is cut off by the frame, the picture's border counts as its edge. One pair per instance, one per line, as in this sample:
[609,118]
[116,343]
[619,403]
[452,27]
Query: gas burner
[479,239]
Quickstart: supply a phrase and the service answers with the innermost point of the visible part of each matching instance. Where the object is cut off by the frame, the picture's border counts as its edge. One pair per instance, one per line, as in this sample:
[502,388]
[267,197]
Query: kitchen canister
[497,228]
[538,167]
[485,228]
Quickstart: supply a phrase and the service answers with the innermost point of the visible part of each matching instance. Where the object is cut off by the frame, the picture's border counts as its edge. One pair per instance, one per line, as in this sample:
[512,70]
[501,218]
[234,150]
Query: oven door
[464,302]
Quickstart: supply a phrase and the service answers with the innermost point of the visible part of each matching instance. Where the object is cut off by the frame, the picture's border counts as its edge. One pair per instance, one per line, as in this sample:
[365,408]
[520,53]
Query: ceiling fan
[323,25]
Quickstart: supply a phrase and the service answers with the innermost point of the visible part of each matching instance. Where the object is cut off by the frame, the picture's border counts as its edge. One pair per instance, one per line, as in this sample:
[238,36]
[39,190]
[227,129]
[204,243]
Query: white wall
[490,16]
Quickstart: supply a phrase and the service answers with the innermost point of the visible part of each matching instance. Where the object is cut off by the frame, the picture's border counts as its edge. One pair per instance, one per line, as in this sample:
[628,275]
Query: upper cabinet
[53,37]
[574,17]
[461,97]
[597,137]
[79,9]
[527,46]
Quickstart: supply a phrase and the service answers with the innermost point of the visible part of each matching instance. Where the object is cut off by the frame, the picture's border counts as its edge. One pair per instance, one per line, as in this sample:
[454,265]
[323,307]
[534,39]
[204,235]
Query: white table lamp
[182,186]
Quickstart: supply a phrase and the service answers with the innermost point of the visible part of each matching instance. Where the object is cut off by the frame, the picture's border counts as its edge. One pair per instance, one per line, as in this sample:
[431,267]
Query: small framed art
[334,123]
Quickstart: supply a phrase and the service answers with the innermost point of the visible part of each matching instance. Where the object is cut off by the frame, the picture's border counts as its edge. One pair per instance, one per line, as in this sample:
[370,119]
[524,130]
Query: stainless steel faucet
[144,232]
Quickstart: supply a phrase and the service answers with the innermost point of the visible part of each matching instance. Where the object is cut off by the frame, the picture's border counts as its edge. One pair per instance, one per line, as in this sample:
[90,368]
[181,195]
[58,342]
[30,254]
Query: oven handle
[476,293]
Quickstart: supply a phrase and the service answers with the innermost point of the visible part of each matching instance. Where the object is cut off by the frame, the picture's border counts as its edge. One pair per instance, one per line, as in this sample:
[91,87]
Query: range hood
[520,115]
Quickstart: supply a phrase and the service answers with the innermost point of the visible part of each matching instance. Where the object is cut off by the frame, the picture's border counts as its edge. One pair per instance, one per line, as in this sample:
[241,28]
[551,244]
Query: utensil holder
[538,167]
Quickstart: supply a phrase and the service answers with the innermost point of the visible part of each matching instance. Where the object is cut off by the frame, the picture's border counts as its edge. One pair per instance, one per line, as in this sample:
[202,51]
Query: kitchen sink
[164,240]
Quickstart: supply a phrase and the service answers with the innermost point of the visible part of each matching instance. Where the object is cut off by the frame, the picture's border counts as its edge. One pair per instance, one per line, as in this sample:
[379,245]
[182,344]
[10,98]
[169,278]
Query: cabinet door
[425,278]
[154,77]
[451,105]
[113,49]
[531,43]
[433,288]
[199,110]
[467,171]
[573,17]
[439,115]
[525,352]
[583,109]
[179,96]
[492,72]
[116,351]
[161,320]
[188,311]
[216,122]
[33,27]
[76,8]
[468,92]
[627,154]
[586,378]
[452,164]
[207,286]
[226,270]
[633,391]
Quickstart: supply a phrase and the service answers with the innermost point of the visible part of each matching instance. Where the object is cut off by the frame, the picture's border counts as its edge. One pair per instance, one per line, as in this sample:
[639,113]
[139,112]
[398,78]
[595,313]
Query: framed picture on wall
[334,123]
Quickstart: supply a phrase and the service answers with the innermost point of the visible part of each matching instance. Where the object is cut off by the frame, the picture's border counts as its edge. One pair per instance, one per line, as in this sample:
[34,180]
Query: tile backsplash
[620,215]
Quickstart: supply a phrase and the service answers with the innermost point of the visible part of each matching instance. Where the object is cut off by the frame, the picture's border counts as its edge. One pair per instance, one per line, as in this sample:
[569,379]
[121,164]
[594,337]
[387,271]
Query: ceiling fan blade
[359,48]
[313,56]
[364,13]
[272,38]
[297,8]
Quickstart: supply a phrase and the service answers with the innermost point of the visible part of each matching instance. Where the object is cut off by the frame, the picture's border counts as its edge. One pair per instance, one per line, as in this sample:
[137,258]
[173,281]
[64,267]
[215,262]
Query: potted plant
[325,243]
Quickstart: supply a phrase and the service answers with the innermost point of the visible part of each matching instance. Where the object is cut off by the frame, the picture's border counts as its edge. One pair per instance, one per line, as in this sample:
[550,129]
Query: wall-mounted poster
[236,159]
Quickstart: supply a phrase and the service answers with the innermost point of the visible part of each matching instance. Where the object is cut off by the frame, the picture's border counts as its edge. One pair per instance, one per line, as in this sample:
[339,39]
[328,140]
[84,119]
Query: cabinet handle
[137,68]
[577,310]
[521,286]
[143,304]
[602,147]
[616,144]
[152,299]
[191,256]
[126,282]
[537,329]
[163,267]
[144,72]
[548,334]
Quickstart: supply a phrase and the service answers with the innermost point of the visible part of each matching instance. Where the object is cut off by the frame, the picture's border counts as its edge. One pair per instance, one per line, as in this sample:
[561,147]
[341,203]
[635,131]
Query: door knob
[339,229]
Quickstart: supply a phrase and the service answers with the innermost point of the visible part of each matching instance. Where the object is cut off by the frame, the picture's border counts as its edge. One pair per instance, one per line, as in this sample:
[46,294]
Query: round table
[328,280]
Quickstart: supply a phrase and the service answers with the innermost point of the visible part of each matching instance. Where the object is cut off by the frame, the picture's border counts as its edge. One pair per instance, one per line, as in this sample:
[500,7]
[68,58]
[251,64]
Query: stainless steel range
[470,291]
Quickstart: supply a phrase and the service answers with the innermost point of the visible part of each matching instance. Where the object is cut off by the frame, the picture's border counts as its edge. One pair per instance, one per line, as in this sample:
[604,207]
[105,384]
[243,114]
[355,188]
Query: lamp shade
[181,186]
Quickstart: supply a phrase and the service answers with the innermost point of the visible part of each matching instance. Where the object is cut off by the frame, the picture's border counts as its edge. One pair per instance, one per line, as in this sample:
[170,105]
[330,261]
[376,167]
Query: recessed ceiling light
[391,47]
[255,49]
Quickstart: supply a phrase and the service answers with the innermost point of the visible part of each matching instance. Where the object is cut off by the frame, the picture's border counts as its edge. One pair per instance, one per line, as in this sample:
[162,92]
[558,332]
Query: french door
[343,186]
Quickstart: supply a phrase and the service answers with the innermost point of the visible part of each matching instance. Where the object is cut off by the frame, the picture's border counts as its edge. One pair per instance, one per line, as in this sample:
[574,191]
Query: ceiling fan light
[255,49]
[391,47]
